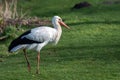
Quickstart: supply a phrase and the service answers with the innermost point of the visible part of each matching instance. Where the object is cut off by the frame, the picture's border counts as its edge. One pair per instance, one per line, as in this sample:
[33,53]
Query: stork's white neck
[59,31]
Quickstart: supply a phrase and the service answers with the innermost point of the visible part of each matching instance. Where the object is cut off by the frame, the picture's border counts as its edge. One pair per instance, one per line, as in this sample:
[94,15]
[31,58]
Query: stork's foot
[37,72]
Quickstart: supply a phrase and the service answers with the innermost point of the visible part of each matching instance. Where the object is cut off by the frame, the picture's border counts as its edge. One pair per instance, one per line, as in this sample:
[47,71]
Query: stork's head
[56,20]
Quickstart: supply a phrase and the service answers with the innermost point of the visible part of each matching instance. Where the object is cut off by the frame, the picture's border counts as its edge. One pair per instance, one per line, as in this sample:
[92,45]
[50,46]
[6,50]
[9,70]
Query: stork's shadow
[95,22]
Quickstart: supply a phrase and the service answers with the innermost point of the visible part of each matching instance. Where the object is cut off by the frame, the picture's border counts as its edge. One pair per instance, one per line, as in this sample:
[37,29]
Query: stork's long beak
[63,24]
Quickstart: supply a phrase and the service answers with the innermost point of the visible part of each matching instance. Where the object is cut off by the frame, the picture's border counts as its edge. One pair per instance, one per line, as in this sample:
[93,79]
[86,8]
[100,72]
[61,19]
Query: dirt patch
[81,5]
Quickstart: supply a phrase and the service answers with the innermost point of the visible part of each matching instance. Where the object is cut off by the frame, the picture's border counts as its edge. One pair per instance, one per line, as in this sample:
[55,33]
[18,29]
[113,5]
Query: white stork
[37,38]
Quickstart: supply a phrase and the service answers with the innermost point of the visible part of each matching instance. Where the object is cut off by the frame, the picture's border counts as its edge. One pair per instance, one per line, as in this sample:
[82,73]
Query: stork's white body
[44,35]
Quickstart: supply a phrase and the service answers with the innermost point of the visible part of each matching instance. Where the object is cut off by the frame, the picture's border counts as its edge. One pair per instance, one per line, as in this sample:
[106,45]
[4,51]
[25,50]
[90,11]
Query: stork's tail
[14,46]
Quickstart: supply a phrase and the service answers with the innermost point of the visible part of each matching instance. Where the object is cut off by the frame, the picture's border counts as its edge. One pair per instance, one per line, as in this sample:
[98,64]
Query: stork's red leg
[28,64]
[38,62]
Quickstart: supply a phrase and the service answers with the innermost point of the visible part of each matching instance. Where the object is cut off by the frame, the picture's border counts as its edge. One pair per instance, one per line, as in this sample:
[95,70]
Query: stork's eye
[60,19]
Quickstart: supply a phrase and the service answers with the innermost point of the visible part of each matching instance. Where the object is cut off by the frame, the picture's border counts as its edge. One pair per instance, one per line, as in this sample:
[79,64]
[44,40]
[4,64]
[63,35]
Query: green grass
[89,51]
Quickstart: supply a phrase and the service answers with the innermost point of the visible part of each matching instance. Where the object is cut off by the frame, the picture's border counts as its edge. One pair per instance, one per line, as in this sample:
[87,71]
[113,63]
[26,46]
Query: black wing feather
[19,41]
